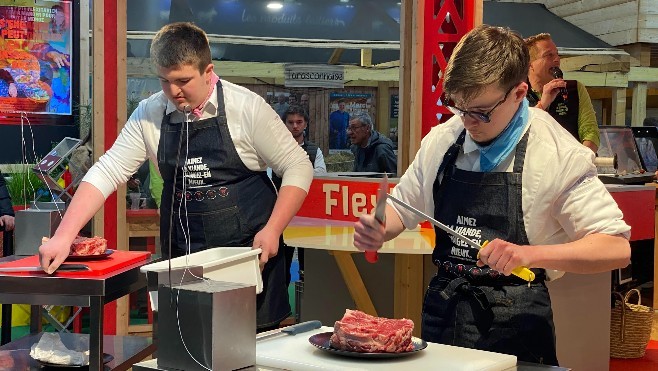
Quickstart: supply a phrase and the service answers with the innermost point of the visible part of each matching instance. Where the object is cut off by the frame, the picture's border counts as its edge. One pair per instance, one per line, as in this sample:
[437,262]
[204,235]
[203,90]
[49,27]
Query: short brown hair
[531,41]
[181,43]
[484,56]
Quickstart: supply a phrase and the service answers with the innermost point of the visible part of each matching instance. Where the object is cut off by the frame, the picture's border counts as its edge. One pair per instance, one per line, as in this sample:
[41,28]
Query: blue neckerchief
[492,155]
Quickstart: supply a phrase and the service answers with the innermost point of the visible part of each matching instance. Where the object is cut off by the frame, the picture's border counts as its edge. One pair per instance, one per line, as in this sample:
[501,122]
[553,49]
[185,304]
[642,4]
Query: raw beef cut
[83,246]
[363,333]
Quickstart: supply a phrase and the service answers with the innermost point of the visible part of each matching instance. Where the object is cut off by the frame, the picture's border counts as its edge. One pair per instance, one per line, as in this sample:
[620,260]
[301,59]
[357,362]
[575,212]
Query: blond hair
[484,56]
[181,43]
[532,41]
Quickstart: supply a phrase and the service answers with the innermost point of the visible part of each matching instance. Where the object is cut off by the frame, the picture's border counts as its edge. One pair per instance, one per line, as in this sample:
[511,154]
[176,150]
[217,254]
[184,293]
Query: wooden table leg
[354,282]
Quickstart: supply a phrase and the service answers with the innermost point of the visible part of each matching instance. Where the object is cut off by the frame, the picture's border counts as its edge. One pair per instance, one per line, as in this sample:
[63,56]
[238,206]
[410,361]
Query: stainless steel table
[92,292]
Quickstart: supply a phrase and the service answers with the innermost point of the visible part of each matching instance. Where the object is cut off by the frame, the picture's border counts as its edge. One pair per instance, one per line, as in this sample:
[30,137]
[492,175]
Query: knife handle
[524,273]
[521,272]
[371,256]
[302,327]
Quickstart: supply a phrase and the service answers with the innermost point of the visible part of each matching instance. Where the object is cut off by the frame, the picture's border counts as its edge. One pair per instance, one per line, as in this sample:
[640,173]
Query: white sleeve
[319,167]
[124,157]
[584,206]
[278,149]
[412,188]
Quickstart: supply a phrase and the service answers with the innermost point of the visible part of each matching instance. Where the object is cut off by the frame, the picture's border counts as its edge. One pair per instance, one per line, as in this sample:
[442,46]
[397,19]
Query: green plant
[23,185]
[339,162]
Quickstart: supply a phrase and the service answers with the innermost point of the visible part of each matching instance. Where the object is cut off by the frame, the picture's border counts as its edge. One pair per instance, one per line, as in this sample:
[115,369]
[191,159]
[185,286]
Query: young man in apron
[212,142]
[499,171]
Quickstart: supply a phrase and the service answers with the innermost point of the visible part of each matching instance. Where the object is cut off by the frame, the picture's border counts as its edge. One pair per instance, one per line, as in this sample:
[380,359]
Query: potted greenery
[23,186]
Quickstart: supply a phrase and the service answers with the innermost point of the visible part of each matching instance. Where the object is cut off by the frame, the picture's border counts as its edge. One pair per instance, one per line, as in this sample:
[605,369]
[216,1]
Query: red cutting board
[114,262]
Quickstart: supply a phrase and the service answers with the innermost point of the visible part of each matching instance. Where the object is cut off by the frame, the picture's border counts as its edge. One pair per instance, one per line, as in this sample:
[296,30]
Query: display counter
[336,275]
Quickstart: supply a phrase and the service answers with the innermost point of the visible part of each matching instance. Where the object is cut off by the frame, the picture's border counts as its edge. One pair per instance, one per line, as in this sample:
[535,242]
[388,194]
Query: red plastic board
[116,261]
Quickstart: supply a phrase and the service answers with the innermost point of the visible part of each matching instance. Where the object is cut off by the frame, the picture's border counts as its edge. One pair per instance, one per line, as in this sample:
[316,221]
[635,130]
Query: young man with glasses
[566,100]
[372,151]
[502,172]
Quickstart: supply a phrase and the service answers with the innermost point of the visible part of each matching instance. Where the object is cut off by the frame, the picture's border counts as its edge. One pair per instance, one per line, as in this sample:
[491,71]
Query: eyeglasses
[481,116]
[353,128]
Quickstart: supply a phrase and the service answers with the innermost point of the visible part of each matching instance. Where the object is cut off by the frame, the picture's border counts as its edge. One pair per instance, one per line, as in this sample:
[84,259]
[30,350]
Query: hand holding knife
[380,214]
[521,272]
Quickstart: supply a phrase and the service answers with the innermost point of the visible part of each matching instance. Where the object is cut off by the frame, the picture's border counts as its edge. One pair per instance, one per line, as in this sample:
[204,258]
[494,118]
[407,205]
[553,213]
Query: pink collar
[198,111]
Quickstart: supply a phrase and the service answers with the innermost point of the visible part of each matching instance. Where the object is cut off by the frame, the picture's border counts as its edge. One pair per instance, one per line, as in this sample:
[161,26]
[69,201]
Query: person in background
[338,121]
[373,152]
[304,102]
[281,105]
[296,119]
[574,111]
[485,173]
[212,141]
[6,209]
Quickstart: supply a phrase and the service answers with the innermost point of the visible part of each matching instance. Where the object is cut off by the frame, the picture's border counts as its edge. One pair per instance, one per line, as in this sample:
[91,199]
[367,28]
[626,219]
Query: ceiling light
[274,5]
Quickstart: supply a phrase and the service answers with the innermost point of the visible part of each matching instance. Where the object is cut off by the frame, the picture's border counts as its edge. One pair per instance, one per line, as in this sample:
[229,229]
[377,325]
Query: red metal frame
[446,21]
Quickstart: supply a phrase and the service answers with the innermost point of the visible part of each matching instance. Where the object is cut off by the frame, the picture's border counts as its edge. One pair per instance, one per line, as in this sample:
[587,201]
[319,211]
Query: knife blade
[380,214]
[521,272]
[63,268]
[292,330]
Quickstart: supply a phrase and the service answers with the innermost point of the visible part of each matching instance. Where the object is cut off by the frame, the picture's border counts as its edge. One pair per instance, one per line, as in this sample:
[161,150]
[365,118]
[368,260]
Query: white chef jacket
[260,138]
[562,198]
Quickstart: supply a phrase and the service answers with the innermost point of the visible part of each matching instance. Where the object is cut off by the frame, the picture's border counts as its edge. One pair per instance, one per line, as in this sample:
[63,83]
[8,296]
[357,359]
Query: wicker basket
[630,327]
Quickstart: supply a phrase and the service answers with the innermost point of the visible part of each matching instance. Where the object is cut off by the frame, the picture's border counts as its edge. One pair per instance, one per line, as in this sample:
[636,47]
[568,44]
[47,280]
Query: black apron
[227,204]
[564,112]
[476,307]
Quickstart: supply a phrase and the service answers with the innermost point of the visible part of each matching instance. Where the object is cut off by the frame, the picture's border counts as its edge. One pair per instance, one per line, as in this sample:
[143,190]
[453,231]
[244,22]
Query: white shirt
[260,138]
[562,198]
[319,167]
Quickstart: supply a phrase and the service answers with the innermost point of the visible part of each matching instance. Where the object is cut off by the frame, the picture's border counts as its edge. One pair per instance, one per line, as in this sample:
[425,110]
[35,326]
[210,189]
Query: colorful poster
[35,57]
[343,106]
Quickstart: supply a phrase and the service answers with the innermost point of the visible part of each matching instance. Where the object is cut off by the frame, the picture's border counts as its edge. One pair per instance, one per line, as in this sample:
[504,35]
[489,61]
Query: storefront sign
[340,199]
[314,75]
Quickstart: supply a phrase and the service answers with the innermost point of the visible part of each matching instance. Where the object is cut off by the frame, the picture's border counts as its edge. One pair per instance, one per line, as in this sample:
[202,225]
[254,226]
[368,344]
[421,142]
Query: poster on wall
[35,57]
[343,106]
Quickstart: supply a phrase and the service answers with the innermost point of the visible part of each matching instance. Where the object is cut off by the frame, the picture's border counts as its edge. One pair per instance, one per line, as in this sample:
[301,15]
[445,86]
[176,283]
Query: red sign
[338,199]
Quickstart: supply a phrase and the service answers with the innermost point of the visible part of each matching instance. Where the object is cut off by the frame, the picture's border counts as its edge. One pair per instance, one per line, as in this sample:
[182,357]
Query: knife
[521,272]
[292,330]
[63,268]
[380,214]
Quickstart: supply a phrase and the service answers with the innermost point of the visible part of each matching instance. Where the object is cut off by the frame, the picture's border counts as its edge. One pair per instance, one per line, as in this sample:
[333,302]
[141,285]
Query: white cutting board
[296,353]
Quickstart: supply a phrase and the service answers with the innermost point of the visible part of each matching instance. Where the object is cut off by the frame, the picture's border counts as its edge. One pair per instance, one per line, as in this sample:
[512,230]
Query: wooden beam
[411,82]
[643,74]
[639,108]
[640,54]
[383,119]
[123,305]
[354,282]
[98,88]
[611,79]
[142,67]
[594,63]
[366,57]
[618,114]
[335,56]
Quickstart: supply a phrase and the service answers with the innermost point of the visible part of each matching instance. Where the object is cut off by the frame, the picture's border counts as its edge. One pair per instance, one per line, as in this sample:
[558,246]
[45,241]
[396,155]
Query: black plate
[321,341]
[106,359]
[79,258]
